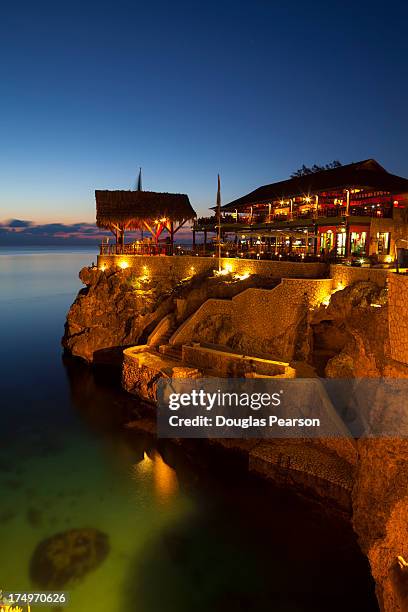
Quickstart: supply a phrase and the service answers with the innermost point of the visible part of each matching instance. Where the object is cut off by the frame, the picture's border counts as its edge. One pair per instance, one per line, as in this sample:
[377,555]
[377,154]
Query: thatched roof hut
[366,174]
[131,210]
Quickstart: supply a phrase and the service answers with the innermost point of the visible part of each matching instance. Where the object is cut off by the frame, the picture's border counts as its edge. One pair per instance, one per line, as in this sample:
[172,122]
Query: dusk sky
[92,91]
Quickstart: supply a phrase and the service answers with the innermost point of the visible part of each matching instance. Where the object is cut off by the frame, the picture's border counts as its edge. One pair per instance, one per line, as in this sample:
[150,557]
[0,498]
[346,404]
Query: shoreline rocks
[348,338]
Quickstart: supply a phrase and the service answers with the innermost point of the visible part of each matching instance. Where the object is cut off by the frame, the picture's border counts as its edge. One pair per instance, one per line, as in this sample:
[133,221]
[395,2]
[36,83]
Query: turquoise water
[188,530]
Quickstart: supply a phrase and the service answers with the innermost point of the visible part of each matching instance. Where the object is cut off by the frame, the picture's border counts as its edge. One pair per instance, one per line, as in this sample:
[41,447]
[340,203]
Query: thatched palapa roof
[131,208]
[364,174]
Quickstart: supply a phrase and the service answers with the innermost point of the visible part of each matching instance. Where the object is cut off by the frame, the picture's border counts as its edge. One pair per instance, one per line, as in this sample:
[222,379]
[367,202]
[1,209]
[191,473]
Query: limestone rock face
[118,309]
[380,516]
[112,312]
[352,333]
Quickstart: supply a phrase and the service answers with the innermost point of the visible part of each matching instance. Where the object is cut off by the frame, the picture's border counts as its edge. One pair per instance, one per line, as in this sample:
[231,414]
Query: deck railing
[147,249]
[323,212]
[259,252]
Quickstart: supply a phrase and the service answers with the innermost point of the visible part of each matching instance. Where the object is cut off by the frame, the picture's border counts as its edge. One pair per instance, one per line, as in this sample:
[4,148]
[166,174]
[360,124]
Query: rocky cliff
[346,338]
[380,517]
[351,340]
[118,309]
[113,312]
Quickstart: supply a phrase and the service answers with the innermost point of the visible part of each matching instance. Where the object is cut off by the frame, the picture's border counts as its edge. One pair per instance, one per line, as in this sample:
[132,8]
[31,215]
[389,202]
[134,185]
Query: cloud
[18,232]
[16,223]
[23,233]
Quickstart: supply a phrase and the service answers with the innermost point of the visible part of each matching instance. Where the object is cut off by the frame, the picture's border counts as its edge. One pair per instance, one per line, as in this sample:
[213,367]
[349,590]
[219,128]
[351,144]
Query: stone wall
[259,316]
[142,369]
[266,313]
[398,317]
[225,364]
[347,275]
[179,267]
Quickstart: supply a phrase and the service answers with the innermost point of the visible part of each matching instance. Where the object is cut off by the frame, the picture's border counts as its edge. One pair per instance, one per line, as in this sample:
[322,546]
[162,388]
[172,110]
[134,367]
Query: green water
[188,529]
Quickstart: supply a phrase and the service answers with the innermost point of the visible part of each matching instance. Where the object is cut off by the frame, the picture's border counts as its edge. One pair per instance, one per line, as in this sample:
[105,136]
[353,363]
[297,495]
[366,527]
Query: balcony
[260,220]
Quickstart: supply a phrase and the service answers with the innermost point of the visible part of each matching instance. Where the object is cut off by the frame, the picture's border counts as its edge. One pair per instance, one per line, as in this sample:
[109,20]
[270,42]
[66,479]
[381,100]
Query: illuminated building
[358,209]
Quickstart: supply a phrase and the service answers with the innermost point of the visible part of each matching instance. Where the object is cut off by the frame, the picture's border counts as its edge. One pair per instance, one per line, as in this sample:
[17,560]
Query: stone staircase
[173,351]
[166,337]
[170,350]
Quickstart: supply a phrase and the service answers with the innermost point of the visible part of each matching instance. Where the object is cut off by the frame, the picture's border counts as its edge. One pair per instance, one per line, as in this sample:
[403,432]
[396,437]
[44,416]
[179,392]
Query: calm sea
[188,531]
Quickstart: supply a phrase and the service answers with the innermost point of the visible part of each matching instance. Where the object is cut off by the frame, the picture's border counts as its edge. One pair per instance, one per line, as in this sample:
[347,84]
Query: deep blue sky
[251,90]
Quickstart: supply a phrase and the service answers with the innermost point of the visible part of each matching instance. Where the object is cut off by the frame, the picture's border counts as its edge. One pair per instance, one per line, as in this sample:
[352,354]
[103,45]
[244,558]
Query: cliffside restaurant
[358,209]
[148,211]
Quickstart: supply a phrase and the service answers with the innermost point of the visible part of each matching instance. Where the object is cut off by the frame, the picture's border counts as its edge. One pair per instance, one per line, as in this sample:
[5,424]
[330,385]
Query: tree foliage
[315,168]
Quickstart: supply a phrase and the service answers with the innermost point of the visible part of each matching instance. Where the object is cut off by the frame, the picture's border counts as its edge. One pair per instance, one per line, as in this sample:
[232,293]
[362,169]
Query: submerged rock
[66,557]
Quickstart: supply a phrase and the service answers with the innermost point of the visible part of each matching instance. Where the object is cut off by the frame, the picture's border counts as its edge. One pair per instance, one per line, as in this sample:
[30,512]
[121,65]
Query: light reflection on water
[181,538]
[163,476]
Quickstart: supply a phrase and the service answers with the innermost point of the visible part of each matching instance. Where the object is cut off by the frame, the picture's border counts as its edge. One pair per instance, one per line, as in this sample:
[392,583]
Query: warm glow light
[123,264]
[144,466]
[241,276]
[307,199]
[227,269]
[164,477]
[388,259]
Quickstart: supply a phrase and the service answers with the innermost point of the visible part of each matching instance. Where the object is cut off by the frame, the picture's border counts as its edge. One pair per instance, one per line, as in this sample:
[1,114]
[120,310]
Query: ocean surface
[188,531]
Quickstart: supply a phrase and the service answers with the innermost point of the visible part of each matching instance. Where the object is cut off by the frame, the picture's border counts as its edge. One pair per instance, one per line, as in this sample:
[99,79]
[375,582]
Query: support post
[347,246]
[172,237]
[219,223]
